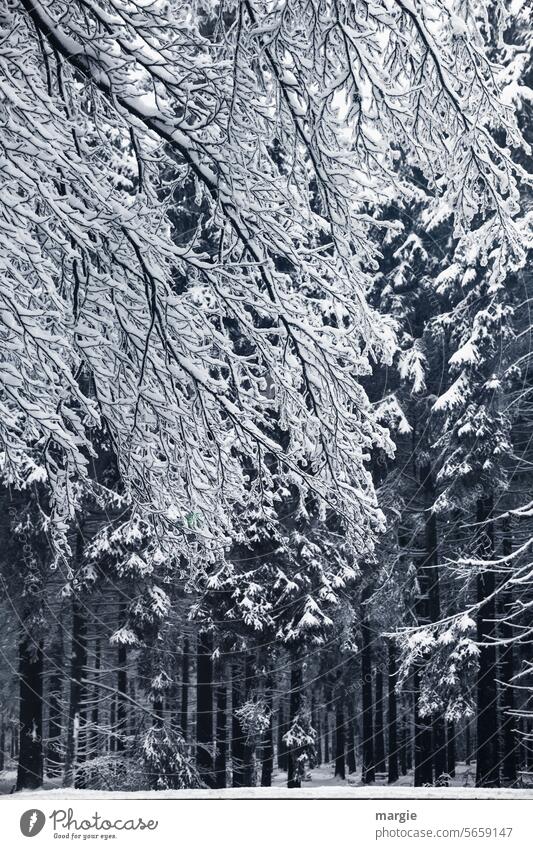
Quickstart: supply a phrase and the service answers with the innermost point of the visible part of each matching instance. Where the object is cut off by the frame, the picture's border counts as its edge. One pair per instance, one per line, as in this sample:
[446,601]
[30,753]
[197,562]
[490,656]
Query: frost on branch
[277,129]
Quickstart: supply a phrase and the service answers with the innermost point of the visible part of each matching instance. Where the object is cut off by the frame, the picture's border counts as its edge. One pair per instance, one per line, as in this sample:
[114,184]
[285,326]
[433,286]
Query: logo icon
[32,822]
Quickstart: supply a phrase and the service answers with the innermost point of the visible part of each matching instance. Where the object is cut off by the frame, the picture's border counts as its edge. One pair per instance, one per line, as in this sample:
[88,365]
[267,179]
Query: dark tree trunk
[293,774]
[450,749]
[204,708]
[409,729]
[379,734]
[76,716]
[369,769]
[423,742]
[440,759]
[249,748]
[238,750]
[468,743]
[507,667]
[184,712]
[2,744]
[54,756]
[425,608]
[133,723]
[30,670]
[282,728]
[351,760]
[340,741]
[122,689]
[318,725]
[392,716]
[112,725]
[432,582]
[95,736]
[267,764]
[221,759]
[404,743]
[326,737]
[487,763]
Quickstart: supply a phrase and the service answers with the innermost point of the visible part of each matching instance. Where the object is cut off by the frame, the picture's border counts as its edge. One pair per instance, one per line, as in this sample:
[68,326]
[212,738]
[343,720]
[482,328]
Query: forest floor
[320,784]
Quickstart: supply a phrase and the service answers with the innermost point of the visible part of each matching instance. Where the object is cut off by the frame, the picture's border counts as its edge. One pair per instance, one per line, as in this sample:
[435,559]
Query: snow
[322,785]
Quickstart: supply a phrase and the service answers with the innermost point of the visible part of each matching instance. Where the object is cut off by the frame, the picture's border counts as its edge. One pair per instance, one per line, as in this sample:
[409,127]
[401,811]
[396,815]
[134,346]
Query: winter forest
[266,393]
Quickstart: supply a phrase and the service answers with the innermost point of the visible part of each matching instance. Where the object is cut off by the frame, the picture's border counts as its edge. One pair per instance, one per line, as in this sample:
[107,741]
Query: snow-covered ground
[321,784]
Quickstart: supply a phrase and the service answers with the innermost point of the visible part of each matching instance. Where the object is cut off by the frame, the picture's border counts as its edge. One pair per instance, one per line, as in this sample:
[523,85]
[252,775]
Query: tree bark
[509,729]
[204,708]
[487,763]
[392,716]
[122,690]
[368,770]
[293,776]
[282,748]
[95,735]
[351,760]
[468,743]
[450,749]
[76,715]
[184,712]
[249,747]
[221,759]
[432,582]
[54,757]
[237,735]
[423,741]
[326,737]
[340,738]
[30,670]
[267,765]
[404,742]
[318,725]
[379,734]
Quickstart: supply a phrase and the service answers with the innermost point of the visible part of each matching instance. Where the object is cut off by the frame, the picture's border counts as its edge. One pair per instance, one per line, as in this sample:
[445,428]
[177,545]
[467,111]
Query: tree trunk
[204,708]
[184,713]
[293,774]
[112,724]
[267,765]
[379,735]
[122,690]
[30,669]
[432,582]
[249,748]
[351,760]
[318,725]
[450,749]
[95,735]
[340,741]
[326,737]
[282,748]
[507,667]
[439,748]
[221,759]
[392,716]
[368,771]
[237,735]
[423,742]
[468,743]
[487,765]
[404,742]
[76,716]
[54,757]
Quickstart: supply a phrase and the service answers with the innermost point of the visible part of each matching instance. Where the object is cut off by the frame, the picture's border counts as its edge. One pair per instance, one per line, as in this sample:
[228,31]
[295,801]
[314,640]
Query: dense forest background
[265,393]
